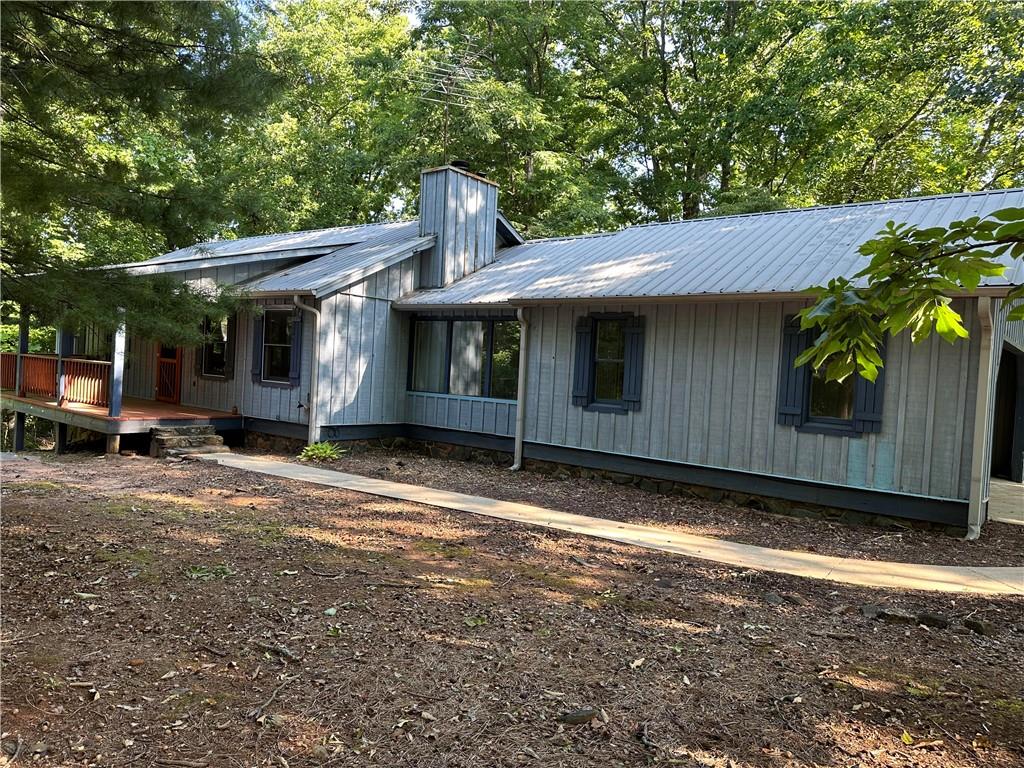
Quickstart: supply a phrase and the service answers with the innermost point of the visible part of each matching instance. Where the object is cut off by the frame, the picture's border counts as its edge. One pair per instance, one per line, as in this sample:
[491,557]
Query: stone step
[199,449]
[197,429]
[181,441]
[186,440]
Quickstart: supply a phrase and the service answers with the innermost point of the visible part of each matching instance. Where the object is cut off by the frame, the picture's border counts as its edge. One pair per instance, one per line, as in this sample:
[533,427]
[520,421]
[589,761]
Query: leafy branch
[909,284]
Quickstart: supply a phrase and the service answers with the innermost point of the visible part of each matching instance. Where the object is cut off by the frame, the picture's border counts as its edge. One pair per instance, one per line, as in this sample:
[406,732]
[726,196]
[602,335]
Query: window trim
[794,393]
[228,350]
[597,404]
[594,405]
[489,320]
[282,381]
[827,425]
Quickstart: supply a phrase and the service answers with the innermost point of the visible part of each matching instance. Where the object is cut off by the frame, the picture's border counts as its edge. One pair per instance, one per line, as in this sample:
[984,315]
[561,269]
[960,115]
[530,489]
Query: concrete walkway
[865,573]
[1006,502]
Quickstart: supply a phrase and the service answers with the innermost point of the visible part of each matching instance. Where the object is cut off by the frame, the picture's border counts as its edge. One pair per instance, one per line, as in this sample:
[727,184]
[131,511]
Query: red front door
[168,374]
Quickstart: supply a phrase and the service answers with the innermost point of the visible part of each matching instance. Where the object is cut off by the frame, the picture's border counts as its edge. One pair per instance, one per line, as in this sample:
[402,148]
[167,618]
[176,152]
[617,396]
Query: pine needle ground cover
[185,614]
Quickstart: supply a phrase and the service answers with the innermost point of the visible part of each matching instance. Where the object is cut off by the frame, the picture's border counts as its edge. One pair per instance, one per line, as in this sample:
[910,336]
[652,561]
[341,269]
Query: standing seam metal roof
[346,265]
[287,241]
[761,253]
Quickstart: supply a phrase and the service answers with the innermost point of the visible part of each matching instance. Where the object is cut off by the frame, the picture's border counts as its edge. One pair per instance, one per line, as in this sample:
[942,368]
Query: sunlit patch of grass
[32,486]
[547,578]
[628,604]
[443,548]
[148,505]
[466,584]
[141,557]
[141,560]
[209,573]
[265,534]
[1011,710]
[188,701]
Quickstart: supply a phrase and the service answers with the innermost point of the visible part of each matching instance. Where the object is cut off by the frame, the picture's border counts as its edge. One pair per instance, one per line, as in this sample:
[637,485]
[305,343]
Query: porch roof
[343,267]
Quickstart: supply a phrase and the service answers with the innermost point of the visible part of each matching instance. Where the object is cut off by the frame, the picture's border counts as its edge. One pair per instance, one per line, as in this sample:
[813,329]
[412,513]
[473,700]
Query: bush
[321,452]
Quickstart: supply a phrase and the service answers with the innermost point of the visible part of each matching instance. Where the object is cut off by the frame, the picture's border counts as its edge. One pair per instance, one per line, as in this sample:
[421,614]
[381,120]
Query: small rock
[871,611]
[580,716]
[980,626]
[794,598]
[320,752]
[896,616]
[774,599]
[136,662]
[936,620]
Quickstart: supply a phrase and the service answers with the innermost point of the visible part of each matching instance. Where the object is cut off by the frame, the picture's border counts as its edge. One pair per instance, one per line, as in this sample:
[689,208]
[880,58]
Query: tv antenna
[448,82]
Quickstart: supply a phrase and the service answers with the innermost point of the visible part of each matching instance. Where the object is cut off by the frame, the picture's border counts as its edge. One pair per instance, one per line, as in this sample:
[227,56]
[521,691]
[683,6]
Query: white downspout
[979,470]
[314,373]
[524,333]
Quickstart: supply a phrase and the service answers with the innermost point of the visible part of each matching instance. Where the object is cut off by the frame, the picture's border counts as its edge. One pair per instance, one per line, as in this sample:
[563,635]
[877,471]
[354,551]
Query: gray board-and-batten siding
[710,388]
[238,393]
[710,391]
[709,400]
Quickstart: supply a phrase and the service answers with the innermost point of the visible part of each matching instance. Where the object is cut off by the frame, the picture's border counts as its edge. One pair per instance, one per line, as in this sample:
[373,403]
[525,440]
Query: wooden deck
[136,415]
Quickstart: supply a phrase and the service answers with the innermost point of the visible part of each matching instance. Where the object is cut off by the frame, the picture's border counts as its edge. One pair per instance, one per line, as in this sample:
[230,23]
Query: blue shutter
[295,366]
[633,383]
[867,400]
[583,364]
[257,348]
[793,382]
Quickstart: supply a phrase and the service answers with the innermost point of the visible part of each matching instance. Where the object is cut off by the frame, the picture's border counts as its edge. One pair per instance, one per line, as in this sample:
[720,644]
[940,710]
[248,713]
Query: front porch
[137,415]
[75,390]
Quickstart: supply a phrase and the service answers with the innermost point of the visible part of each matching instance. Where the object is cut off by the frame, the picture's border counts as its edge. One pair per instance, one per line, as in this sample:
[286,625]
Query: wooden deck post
[116,371]
[19,431]
[65,347]
[61,445]
[113,443]
[23,327]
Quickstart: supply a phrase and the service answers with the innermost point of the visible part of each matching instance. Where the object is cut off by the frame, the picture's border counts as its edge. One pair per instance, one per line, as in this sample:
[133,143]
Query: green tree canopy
[908,285]
[112,112]
[135,128]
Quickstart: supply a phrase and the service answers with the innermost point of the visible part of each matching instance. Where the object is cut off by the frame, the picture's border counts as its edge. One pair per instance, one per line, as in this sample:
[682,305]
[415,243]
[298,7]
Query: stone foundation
[561,471]
[260,441]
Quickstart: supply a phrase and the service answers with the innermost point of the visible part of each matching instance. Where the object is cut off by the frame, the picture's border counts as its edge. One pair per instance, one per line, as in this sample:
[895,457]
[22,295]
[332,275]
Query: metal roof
[780,252]
[313,240]
[320,276]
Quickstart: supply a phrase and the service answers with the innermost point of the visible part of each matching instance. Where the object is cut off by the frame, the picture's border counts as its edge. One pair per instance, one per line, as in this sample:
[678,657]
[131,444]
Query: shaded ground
[1000,544]
[188,614]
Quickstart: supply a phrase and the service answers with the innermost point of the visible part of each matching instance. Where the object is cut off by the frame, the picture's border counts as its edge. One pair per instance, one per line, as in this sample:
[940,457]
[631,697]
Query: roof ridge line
[295,232]
[808,208]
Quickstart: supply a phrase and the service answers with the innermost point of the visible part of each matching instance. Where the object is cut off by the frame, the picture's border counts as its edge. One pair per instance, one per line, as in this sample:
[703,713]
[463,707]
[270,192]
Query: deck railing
[87,381]
[8,370]
[39,375]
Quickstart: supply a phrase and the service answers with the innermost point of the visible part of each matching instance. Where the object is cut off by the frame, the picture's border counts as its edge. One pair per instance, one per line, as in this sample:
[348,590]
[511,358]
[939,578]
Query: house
[662,350]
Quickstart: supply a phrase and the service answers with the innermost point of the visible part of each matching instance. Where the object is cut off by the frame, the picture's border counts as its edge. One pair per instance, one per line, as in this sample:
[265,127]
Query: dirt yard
[1001,544]
[183,614]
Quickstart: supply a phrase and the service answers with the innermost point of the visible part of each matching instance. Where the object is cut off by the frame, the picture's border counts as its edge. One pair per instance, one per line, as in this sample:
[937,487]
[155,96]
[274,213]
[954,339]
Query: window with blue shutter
[608,362]
[812,403]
